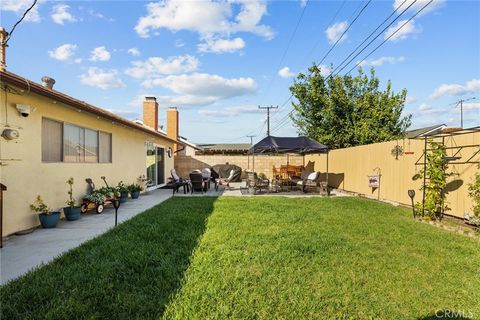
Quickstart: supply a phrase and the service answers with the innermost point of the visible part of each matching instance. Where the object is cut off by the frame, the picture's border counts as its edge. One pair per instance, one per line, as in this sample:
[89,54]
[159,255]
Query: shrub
[474,193]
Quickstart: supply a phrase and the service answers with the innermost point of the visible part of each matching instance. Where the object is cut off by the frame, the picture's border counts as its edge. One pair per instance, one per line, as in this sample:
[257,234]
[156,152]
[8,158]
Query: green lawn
[258,258]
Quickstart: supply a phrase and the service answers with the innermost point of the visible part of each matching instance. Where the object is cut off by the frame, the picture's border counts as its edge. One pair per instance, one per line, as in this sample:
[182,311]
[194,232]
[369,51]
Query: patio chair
[207,176]
[255,183]
[196,182]
[310,182]
[225,182]
[178,182]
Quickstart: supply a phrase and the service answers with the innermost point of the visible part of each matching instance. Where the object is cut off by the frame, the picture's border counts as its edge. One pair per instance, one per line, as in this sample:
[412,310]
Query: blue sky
[217,61]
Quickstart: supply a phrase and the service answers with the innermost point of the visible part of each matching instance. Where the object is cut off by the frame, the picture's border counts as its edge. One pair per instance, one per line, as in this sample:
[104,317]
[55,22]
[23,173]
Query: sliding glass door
[155,162]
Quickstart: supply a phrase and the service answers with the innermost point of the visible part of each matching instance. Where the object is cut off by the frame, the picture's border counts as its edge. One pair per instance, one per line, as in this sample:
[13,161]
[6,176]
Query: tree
[345,111]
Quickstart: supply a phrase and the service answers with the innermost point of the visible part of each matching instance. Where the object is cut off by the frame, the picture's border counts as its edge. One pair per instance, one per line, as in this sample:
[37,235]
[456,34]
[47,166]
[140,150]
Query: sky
[217,61]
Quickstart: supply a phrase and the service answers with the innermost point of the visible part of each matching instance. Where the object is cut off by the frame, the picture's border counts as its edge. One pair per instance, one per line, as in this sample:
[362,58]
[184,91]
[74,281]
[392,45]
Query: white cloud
[134,52]
[303,3]
[382,60]
[410,99]
[425,109]
[78,60]
[471,86]
[325,70]
[230,111]
[221,45]
[61,15]
[335,31]
[103,79]
[155,67]
[99,15]
[418,4]
[63,52]
[179,43]
[205,17]
[100,54]
[204,84]
[200,89]
[19,7]
[406,31]
[285,72]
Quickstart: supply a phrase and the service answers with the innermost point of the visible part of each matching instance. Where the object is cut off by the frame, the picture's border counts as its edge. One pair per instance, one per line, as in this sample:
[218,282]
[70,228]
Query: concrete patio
[23,253]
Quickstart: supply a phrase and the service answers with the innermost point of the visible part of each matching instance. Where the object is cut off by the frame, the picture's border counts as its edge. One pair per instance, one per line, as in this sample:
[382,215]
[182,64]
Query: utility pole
[253,161]
[460,102]
[268,116]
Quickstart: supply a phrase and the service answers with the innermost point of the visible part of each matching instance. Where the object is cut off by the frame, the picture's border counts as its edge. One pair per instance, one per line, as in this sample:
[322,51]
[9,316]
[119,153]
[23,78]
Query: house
[422,132]
[48,136]
[223,148]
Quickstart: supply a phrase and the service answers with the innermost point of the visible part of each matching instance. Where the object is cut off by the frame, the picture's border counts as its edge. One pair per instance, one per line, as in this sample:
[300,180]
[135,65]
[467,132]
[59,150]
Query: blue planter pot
[72,214]
[135,194]
[49,220]
[123,197]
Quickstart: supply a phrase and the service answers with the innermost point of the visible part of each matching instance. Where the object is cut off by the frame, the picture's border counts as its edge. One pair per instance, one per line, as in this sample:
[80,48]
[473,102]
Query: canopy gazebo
[288,145]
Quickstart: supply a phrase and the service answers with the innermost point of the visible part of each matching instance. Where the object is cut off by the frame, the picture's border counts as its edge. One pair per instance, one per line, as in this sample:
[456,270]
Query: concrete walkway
[22,253]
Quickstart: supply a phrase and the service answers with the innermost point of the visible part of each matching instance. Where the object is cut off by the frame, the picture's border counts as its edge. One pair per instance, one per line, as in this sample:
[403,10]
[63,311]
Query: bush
[474,193]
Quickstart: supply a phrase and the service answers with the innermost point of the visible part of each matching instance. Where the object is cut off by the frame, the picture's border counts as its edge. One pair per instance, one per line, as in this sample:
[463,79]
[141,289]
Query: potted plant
[48,218]
[135,190]
[123,189]
[71,212]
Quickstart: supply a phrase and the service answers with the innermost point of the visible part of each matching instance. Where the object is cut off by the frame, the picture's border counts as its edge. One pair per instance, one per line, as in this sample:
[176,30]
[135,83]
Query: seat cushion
[313,176]
[305,174]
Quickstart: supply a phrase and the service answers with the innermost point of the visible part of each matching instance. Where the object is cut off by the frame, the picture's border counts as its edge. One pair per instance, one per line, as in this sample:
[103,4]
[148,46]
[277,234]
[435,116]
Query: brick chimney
[150,112]
[172,124]
[3,49]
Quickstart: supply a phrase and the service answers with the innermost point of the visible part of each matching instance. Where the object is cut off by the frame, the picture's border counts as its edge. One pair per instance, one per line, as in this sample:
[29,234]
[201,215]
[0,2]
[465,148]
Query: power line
[325,56]
[390,36]
[371,52]
[290,40]
[344,32]
[372,33]
[18,22]
[268,116]
[460,102]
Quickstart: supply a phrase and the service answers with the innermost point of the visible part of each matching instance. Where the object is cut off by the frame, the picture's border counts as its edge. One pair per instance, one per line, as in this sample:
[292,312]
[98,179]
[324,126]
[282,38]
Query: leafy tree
[345,111]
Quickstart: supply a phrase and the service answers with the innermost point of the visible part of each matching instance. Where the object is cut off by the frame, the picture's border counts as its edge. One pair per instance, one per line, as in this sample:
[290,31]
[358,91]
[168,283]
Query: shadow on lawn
[131,272]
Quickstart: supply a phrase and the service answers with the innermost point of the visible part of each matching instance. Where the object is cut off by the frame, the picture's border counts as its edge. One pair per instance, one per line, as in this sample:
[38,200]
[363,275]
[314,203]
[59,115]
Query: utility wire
[327,53]
[371,52]
[344,32]
[372,33]
[289,43]
[390,36]
[371,41]
[18,22]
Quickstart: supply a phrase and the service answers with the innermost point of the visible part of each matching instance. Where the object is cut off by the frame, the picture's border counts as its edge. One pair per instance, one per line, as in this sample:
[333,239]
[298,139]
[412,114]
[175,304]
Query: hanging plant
[436,173]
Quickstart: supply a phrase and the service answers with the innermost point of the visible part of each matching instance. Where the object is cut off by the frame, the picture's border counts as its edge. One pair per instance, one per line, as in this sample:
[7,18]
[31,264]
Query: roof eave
[23,83]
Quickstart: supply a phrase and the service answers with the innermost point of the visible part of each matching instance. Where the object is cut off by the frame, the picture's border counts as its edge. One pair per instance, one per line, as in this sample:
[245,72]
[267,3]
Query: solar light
[116,205]
[411,194]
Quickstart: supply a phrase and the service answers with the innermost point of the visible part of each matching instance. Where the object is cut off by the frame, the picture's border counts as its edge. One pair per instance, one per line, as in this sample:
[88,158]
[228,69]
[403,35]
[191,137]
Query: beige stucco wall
[351,167]
[25,176]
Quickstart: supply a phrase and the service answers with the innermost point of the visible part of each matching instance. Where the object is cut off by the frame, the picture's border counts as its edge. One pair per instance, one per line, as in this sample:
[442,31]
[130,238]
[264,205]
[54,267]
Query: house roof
[416,133]
[225,147]
[31,86]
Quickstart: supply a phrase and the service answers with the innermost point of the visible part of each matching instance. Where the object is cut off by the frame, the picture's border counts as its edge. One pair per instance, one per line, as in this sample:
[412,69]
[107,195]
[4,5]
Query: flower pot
[49,220]
[72,213]
[123,197]
[135,194]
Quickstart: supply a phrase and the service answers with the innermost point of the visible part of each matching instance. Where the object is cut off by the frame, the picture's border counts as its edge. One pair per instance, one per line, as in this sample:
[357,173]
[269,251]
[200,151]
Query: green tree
[345,111]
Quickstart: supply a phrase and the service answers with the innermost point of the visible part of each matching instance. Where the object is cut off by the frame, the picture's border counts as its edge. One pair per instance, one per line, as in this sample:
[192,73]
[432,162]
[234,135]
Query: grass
[258,258]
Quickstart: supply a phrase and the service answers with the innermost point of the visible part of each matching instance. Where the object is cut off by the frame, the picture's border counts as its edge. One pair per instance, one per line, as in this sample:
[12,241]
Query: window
[70,143]
[52,133]
[105,143]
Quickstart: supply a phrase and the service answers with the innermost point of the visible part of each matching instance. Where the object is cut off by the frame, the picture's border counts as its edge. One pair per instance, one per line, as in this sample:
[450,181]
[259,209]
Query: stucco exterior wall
[351,166]
[25,175]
